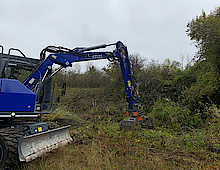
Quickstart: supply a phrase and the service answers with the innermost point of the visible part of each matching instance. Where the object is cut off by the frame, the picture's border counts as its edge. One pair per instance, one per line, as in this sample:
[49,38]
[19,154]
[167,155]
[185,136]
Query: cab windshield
[18,71]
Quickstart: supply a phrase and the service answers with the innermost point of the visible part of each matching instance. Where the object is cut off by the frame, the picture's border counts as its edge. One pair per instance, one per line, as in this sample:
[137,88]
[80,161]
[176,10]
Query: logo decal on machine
[129,83]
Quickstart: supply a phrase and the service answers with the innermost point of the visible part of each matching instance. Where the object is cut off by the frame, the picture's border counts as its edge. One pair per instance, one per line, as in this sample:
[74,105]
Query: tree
[205,31]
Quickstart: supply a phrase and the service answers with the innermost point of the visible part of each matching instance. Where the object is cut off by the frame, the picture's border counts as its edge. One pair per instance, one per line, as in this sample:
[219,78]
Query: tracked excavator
[24,100]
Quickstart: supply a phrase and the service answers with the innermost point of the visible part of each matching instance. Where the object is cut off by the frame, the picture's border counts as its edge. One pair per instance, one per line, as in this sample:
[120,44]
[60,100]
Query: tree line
[178,98]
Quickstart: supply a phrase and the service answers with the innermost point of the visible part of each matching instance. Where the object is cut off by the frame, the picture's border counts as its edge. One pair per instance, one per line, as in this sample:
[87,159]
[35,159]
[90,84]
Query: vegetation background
[183,101]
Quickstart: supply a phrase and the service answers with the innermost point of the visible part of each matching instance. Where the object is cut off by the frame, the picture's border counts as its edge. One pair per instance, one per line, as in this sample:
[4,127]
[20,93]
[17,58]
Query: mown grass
[98,142]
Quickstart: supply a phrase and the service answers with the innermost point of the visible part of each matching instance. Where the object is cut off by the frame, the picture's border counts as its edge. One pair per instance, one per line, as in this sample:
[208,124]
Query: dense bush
[169,114]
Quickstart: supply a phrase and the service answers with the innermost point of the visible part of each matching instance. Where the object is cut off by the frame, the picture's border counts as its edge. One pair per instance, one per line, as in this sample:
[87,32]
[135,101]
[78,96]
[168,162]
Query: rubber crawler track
[10,137]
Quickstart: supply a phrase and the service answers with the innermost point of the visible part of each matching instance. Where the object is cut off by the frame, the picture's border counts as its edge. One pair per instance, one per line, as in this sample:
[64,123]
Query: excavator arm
[65,57]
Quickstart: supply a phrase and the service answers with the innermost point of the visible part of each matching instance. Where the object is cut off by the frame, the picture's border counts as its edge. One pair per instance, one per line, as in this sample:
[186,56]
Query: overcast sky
[155,29]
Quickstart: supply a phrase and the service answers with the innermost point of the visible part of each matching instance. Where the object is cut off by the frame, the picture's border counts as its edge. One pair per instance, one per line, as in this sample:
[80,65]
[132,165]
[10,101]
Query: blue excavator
[23,137]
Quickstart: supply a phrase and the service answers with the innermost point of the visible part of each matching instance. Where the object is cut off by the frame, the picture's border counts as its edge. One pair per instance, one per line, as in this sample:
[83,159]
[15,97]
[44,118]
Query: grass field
[98,142]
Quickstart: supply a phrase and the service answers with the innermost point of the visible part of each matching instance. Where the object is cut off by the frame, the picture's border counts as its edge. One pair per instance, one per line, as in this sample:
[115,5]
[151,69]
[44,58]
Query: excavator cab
[16,67]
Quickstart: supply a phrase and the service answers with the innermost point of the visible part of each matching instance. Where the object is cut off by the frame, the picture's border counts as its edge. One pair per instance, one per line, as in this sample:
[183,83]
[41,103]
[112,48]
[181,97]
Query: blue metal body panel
[15,97]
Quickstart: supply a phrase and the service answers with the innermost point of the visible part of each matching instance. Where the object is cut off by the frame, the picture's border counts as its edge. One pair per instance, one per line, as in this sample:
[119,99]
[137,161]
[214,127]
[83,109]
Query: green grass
[98,142]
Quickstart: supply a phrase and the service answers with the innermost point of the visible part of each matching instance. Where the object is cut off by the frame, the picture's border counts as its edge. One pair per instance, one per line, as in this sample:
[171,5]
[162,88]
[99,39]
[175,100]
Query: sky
[155,29]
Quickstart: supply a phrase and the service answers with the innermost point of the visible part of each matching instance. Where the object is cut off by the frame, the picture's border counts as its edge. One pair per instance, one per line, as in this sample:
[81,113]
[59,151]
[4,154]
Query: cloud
[155,29]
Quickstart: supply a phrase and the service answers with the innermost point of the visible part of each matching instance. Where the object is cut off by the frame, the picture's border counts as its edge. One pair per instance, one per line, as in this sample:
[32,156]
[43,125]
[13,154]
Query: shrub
[169,114]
